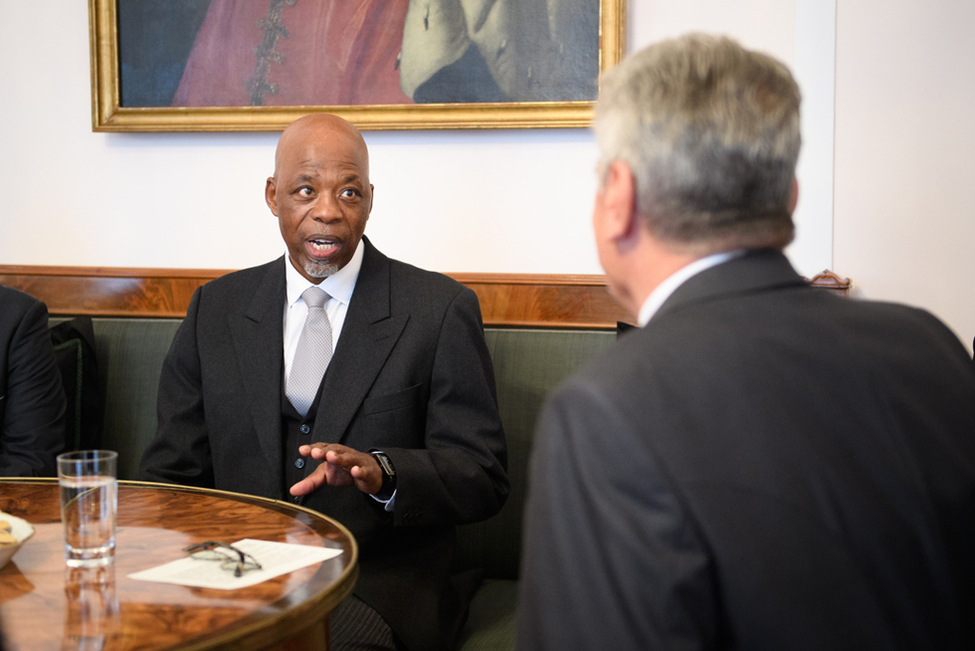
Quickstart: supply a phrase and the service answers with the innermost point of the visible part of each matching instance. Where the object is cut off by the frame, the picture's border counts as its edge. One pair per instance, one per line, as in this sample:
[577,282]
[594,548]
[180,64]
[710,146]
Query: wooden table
[46,605]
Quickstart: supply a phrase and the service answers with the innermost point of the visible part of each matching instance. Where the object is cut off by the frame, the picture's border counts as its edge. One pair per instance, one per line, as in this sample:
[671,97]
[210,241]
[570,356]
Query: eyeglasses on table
[229,557]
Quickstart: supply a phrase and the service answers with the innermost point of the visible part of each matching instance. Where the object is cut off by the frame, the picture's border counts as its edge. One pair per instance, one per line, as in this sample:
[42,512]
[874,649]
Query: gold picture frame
[108,113]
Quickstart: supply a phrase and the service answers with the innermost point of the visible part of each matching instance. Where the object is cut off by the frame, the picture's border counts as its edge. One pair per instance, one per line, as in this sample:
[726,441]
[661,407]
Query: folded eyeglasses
[227,555]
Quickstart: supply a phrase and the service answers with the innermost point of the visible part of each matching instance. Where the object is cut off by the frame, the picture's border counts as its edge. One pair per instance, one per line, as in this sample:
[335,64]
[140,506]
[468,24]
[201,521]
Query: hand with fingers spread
[342,466]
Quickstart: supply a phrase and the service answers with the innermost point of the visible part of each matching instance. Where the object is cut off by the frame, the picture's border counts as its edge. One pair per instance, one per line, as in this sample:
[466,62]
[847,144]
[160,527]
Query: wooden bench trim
[529,300]
[543,300]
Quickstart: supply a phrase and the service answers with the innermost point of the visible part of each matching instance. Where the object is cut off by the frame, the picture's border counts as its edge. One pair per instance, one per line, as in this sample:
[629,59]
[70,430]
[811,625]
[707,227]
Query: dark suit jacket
[763,466]
[410,375]
[31,396]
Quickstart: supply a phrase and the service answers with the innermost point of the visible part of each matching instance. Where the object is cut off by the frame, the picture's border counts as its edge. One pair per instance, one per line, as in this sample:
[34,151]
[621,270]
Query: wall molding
[528,300]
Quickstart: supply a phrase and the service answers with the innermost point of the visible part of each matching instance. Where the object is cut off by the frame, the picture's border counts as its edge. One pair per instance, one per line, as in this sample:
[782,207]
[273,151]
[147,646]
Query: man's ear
[619,201]
[794,197]
[271,195]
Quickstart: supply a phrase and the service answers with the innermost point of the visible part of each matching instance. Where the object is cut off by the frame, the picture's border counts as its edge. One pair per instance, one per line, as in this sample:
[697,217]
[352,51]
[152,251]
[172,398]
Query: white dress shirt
[339,286]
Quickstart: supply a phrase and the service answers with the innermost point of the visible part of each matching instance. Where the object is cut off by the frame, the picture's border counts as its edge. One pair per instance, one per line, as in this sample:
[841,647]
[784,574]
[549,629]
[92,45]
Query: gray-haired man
[762,465]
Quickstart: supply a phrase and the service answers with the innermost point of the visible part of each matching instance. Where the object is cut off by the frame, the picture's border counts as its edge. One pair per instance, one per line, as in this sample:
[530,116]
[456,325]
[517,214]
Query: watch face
[385,465]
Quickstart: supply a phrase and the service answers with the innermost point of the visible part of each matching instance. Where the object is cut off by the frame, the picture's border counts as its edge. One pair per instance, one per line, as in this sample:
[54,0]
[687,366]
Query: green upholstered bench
[528,363]
[130,353]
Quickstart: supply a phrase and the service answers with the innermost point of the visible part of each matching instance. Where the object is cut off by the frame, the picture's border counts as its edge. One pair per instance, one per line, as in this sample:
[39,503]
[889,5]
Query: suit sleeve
[32,414]
[459,476]
[609,553]
[180,452]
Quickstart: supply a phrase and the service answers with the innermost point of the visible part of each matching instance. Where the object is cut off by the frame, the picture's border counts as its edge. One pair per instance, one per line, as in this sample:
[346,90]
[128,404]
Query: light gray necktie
[313,353]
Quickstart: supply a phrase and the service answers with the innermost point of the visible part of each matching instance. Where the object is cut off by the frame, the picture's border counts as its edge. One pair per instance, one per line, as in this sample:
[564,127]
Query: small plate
[22,531]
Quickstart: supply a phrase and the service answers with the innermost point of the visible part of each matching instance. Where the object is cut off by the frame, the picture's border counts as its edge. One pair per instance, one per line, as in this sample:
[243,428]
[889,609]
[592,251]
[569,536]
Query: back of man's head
[710,132]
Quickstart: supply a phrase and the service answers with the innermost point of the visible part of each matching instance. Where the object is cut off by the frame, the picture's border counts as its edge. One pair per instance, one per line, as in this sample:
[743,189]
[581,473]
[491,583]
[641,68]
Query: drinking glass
[89,504]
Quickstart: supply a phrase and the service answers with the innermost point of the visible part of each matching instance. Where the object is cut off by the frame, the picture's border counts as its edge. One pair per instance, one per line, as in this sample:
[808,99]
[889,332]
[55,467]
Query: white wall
[802,34]
[905,137]
[505,201]
[495,201]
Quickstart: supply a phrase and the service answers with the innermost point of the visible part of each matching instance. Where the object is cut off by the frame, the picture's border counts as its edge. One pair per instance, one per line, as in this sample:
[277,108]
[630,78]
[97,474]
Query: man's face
[321,196]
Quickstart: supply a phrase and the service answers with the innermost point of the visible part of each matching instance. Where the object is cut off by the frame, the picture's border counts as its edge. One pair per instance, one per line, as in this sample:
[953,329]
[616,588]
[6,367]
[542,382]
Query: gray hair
[710,132]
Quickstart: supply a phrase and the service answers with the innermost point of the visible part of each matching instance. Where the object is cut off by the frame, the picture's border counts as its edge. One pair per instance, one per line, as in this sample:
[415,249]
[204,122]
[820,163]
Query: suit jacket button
[296,499]
[304,429]
[299,463]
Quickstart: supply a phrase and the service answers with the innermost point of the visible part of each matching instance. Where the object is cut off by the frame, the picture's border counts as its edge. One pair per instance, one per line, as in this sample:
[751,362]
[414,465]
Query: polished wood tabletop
[46,605]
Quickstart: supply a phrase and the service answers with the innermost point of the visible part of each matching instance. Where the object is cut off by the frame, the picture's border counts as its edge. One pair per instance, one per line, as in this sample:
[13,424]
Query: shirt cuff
[390,503]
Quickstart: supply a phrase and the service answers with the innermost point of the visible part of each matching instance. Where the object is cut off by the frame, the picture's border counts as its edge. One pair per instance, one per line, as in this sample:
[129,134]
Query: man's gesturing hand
[343,467]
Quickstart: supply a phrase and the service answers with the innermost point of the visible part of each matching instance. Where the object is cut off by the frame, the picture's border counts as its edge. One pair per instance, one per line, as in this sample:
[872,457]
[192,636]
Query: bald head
[323,128]
[320,193]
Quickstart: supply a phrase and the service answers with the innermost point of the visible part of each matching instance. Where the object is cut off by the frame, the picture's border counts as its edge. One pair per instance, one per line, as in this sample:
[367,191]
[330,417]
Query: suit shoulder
[243,277]
[16,301]
[20,313]
[409,276]
[890,323]
[888,310]
[230,286]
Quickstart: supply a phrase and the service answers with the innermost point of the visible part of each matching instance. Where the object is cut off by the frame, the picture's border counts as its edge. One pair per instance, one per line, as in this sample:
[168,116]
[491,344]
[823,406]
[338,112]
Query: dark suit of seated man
[400,440]
[31,396]
[762,465]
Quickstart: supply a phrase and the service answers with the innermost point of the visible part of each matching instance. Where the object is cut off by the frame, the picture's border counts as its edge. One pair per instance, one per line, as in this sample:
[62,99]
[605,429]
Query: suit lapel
[257,334]
[368,336]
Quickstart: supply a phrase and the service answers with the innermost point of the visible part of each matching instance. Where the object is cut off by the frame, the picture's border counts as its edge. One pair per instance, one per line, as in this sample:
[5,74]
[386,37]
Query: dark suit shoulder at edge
[430,280]
[245,277]
[14,297]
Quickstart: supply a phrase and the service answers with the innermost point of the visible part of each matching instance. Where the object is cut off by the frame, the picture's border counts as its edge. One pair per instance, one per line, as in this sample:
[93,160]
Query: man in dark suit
[31,396]
[762,465]
[400,440]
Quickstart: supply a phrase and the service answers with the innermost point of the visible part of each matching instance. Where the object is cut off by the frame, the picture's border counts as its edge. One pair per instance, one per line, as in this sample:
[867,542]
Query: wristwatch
[389,475]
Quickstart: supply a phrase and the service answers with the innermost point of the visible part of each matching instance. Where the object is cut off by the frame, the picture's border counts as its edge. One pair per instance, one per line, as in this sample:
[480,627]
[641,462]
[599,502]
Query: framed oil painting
[256,65]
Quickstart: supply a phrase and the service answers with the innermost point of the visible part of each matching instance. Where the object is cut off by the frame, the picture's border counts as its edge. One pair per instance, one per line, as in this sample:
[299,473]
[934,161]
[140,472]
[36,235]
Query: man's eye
[350,192]
[305,191]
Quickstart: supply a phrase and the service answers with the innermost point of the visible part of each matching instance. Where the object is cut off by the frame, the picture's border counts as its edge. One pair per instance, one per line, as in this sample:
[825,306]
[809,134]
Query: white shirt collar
[663,291]
[339,285]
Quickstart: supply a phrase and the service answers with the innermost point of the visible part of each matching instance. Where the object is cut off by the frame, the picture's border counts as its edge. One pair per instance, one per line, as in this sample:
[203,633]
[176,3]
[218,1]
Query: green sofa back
[130,356]
[528,364]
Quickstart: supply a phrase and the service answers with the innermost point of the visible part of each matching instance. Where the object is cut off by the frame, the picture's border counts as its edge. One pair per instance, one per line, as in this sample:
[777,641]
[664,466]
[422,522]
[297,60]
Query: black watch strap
[389,474]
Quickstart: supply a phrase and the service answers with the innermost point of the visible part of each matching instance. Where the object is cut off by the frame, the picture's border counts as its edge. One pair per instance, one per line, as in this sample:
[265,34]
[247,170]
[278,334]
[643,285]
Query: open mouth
[321,248]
